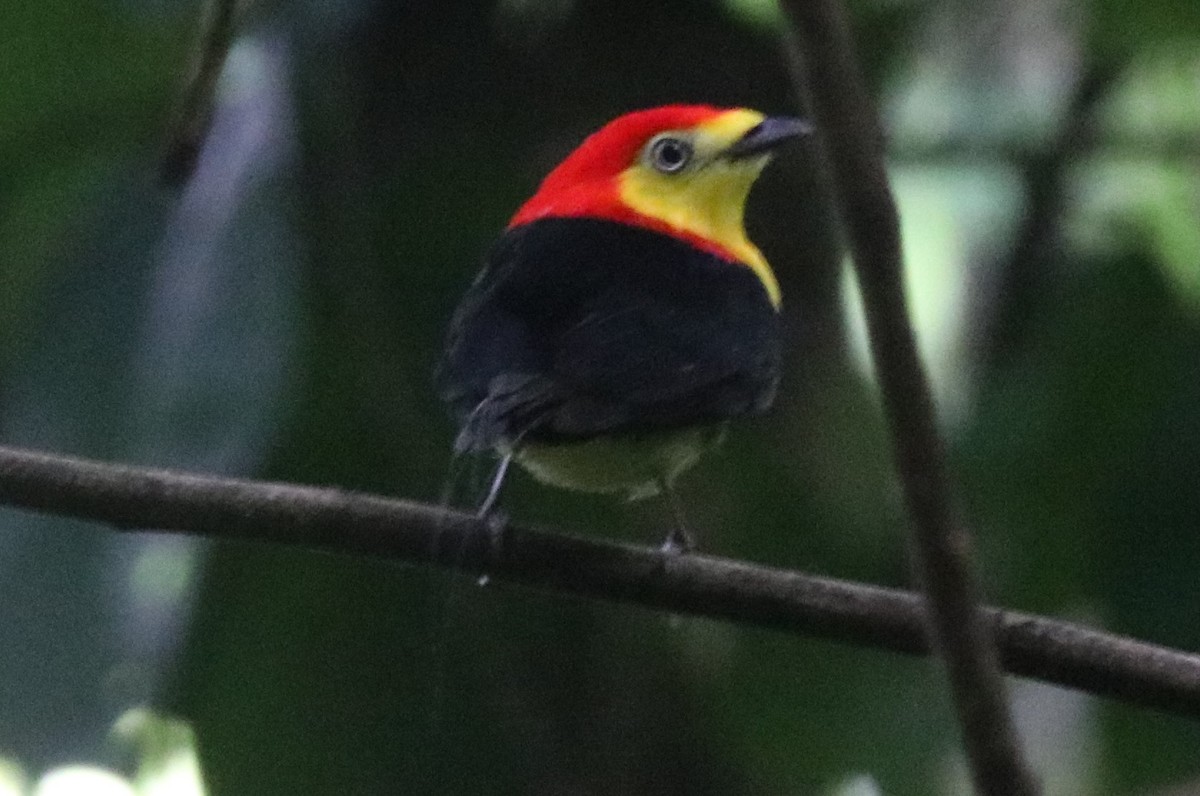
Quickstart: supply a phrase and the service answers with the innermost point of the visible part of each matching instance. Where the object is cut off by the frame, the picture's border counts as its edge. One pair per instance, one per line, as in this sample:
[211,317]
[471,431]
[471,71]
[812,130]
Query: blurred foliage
[280,316]
[165,764]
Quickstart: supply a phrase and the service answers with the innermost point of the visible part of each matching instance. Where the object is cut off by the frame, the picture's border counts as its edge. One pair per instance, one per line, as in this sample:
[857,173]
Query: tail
[514,406]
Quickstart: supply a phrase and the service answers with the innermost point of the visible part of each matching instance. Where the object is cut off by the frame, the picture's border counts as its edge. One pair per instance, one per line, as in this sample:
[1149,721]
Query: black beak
[767,135]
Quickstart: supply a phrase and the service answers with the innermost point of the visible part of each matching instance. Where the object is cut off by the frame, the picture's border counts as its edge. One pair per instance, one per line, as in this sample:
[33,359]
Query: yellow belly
[639,465]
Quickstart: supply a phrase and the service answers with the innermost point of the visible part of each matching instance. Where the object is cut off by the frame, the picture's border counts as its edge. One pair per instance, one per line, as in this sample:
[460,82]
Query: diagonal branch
[194,116]
[1028,266]
[851,131]
[348,523]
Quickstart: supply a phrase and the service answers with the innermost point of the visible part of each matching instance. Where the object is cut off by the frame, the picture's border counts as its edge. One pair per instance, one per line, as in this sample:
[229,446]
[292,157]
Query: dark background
[280,315]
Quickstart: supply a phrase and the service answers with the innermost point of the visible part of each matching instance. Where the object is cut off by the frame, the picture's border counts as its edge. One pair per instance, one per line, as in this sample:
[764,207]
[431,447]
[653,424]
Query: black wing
[581,327]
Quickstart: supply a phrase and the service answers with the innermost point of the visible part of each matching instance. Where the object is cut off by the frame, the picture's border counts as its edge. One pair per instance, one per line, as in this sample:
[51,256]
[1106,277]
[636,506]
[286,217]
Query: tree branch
[190,128]
[1004,324]
[347,523]
[850,129]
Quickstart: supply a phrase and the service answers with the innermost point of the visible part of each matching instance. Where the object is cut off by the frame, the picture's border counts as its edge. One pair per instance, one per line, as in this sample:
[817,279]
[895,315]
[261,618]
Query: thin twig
[194,117]
[347,523]
[1029,266]
[854,139]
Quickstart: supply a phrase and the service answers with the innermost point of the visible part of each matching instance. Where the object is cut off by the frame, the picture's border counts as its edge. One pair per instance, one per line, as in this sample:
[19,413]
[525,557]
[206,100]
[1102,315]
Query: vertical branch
[849,125]
[195,109]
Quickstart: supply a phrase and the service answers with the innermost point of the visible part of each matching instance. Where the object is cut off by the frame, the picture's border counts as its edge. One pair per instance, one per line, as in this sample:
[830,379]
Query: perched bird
[623,317]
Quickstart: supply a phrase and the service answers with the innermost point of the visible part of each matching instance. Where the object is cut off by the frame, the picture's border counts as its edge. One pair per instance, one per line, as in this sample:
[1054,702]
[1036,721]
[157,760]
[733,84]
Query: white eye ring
[670,155]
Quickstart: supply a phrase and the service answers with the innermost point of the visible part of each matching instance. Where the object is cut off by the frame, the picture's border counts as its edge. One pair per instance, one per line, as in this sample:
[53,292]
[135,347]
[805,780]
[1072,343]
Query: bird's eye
[670,155]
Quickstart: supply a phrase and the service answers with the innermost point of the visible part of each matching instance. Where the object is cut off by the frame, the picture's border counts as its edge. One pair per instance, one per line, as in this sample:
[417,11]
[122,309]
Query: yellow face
[685,179]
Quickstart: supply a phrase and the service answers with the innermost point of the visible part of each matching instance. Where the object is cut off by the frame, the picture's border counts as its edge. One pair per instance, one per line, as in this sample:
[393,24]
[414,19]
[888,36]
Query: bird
[623,317]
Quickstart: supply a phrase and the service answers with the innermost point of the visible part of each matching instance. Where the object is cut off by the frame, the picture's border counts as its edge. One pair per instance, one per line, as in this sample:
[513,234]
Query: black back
[581,327]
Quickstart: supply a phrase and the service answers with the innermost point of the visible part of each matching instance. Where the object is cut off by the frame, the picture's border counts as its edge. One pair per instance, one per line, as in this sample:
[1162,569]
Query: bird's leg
[678,540]
[487,509]
[492,517]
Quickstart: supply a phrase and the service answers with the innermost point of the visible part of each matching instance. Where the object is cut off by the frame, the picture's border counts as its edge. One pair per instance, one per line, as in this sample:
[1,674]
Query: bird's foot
[678,542]
[495,522]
